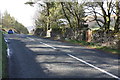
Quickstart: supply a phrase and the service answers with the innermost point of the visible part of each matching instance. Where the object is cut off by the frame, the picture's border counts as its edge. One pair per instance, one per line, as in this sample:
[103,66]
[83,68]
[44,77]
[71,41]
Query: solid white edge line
[83,62]
[9,52]
[94,66]
[8,49]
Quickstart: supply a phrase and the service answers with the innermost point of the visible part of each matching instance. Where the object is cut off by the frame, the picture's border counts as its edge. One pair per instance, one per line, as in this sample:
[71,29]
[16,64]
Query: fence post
[89,35]
[118,44]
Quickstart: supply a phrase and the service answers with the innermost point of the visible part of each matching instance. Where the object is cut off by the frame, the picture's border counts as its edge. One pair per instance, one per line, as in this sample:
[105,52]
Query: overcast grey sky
[23,13]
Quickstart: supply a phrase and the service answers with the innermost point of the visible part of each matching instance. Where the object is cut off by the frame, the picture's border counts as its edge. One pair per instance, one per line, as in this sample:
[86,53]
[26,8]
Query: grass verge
[95,46]
[3,57]
[0,55]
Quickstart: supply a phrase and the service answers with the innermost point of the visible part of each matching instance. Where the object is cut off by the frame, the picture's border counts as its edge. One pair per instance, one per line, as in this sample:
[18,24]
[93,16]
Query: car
[10,31]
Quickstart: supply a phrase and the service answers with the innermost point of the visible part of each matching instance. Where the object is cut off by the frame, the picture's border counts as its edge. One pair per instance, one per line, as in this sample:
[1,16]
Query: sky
[22,13]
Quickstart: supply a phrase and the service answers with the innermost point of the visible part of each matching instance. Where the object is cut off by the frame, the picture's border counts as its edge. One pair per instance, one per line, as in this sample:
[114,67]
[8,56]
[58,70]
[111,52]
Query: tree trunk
[118,44]
[117,22]
[65,14]
[106,16]
[107,25]
[48,21]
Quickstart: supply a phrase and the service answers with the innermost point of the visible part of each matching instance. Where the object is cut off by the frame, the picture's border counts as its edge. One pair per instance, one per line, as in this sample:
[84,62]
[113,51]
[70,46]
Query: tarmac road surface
[33,57]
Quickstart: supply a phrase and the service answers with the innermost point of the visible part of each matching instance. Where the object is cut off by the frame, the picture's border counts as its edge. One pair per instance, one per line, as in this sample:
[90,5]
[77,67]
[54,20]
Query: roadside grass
[0,55]
[95,46]
[3,57]
[114,51]
[4,32]
[30,34]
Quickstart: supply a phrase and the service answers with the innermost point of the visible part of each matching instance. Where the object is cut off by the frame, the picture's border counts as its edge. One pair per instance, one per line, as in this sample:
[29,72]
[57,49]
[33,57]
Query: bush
[109,40]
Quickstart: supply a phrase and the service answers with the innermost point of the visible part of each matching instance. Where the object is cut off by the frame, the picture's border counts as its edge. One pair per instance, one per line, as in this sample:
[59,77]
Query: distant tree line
[9,22]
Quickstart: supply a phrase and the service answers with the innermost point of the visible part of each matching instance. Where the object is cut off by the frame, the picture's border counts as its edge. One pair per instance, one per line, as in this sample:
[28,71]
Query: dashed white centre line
[43,43]
[48,45]
[97,68]
[31,39]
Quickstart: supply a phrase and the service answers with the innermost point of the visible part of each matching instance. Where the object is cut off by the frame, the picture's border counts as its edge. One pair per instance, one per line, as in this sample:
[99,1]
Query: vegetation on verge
[73,19]
[0,55]
[3,58]
[95,46]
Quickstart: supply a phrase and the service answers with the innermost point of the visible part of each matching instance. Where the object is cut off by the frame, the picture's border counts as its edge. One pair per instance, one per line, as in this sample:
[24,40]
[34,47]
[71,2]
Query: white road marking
[43,43]
[31,39]
[114,76]
[48,45]
[94,66]
[6,40]
[9,52]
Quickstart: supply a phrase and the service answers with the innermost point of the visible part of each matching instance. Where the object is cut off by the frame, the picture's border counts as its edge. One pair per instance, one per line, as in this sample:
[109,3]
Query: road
[33,57]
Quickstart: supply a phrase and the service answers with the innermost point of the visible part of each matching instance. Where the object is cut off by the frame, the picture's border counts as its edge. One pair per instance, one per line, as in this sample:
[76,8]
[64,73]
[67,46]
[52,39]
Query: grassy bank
[95,46]
[0,55]
[3,58]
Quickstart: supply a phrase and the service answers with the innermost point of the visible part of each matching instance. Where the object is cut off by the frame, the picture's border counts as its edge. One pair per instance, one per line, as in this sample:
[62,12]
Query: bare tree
[117,18]
[104,13]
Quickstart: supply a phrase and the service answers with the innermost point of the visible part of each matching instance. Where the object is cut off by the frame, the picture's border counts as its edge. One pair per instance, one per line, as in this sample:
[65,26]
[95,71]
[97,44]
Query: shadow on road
[34,60]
